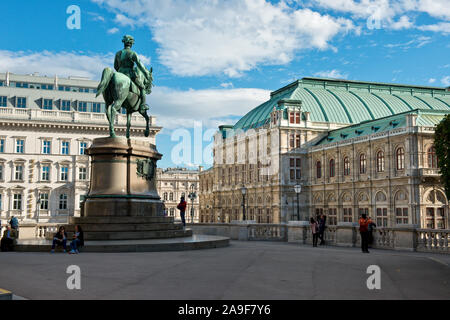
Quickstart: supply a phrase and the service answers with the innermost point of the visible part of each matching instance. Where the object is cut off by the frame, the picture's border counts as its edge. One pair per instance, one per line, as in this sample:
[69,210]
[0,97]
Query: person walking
[182,207]
[60,239]
[314,230]
[364,231]
[322,225]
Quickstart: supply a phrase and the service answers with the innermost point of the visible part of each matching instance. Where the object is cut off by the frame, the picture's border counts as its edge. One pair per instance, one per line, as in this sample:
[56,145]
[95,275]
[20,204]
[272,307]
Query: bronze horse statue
[119,91]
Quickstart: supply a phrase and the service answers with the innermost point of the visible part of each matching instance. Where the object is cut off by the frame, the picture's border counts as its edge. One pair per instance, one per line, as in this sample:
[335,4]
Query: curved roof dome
[349,102]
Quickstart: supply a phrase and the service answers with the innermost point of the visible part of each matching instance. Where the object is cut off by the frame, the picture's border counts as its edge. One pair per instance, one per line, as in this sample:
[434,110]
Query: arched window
[318,169]
[362,163]
[432,158]
[346,166]
[380,161]
[332,170]
[400,156]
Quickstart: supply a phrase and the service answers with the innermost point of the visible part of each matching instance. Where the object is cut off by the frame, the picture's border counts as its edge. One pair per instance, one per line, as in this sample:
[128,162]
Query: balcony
[429,172]
[69,117]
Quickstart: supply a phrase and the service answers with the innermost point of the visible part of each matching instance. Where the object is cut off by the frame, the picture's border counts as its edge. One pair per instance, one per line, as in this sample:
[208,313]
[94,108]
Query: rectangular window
[21,85]
[17,201]
[64,173]
[297,117]
[83,147]
[292,141]
[297,141]
[47,104]
[332,216]
[47,87]
[1,202]
[44,201]
[65,105]
[82,173]
[96,107]
[382,218]
[20,146]
[3,101]
[65,147]
[1,172]
[63,202]
[401,215]
[295,169]
[21,102]
[46,146]
[18,173]
[348,217]
[2,145]
[82,106]
[45,173]
[291,117]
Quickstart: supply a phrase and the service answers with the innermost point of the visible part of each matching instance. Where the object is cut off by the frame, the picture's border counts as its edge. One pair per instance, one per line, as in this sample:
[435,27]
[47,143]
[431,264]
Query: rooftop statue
[127,87]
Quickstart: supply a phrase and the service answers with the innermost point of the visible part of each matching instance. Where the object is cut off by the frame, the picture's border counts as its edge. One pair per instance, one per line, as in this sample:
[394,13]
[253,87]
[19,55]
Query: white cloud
[335,74]
[227,85]
[199,38]
[50,63]
[113,30]
[392,14]
[173,108]
[213,107]
[435,8]
[417,42]
[443,27]
[63,64]
[446,81]
[431,80]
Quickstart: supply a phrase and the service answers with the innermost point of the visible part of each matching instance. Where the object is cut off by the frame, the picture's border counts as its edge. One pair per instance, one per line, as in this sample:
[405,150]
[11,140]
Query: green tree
[442,145]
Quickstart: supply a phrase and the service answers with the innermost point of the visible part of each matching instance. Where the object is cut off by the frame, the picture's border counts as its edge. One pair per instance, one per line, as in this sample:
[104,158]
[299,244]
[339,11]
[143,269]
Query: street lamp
[192,195]
[244,192]
[298,189]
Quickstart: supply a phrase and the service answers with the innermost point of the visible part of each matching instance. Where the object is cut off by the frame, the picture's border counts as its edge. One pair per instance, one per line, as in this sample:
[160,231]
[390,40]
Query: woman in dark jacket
[78,240]
[59,239]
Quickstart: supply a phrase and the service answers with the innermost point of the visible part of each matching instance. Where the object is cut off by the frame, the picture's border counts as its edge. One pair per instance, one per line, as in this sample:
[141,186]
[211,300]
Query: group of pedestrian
[318,229]
[10,235]
[60,239]
[366,227]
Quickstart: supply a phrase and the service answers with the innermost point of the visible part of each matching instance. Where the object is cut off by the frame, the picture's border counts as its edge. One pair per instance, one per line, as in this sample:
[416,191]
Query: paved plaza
[244,270]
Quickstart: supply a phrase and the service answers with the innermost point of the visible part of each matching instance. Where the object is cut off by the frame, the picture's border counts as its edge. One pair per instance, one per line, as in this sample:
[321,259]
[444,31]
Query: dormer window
[294,117]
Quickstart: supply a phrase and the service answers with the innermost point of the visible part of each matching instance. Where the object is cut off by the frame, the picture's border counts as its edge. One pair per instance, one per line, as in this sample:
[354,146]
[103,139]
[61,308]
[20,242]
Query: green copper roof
[425,118]
[349,102]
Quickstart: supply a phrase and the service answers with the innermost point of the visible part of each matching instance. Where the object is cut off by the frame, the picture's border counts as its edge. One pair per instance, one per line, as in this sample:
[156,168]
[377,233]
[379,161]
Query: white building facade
[174,183]
[46,125]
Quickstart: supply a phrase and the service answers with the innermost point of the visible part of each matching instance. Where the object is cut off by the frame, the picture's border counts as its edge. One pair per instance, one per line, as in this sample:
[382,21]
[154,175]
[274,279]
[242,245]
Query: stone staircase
[126,228]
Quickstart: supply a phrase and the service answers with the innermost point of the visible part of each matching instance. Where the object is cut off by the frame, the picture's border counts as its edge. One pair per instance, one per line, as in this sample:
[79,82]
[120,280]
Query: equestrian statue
[127,87]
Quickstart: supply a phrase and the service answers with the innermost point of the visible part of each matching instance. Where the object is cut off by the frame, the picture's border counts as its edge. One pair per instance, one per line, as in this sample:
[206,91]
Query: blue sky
[214,61]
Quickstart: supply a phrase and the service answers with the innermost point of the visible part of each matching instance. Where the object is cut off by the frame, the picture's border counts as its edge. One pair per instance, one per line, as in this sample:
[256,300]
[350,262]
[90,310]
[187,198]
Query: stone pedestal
[123,202]
[123,179]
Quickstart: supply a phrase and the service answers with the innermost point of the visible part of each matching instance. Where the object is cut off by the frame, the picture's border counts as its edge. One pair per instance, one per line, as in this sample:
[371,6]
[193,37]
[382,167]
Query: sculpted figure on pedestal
[127,87]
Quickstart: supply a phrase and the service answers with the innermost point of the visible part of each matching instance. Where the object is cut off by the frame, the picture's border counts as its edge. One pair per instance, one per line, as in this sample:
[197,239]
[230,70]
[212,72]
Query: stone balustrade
[69,116]
[407,237]
[268,232]
[429,240]
[43,232]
